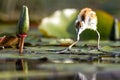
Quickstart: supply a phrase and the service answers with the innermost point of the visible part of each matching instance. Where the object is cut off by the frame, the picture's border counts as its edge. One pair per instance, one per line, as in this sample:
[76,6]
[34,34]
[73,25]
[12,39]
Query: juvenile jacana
[86,19]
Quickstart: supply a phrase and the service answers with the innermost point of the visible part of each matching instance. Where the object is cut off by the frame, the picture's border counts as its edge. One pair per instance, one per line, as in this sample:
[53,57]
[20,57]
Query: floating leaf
[107,48]
[60,24]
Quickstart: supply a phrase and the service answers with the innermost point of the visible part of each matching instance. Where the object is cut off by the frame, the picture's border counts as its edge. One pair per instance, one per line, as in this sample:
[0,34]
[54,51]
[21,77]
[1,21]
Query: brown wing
[88,17]
[84,13]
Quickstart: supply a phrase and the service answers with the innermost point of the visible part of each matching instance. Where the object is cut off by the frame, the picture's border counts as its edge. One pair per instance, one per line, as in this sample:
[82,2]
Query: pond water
[44,69]
[43,63]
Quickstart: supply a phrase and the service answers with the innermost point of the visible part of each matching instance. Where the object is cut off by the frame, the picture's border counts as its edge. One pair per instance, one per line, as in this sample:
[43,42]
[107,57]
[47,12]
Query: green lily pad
[60,24]
[107,48]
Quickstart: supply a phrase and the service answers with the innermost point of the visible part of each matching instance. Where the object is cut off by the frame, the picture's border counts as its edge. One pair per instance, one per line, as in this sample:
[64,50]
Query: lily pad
[60,24]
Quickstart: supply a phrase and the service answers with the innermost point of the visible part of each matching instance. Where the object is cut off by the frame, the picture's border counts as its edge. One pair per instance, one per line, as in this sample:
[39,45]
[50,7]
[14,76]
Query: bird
[86,19]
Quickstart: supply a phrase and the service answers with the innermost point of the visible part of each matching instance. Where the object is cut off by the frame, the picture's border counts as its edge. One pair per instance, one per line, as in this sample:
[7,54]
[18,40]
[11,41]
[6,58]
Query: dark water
[45,69]
[26,69]
[42,63]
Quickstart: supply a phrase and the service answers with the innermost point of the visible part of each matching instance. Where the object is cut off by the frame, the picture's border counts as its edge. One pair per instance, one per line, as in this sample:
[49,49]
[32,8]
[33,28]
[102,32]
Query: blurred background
[38,9]
[9,9]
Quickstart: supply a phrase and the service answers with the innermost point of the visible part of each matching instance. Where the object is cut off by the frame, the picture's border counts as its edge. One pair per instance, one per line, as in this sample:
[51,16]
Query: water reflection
[45,69]
[21,65]
[25,69]
[7,65]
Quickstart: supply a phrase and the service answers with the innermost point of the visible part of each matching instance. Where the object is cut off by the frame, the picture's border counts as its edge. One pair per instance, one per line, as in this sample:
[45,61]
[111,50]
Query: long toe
[63,51]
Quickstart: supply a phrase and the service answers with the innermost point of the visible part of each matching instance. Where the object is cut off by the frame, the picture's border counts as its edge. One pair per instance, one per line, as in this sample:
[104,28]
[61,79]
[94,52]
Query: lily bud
[23,24]
[23,27]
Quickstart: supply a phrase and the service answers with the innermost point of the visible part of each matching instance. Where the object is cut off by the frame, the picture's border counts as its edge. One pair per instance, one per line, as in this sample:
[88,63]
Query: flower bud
[23,24]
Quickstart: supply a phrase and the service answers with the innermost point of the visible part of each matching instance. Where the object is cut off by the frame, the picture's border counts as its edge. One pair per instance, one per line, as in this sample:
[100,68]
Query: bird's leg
[98,42]
[69,48]
[78,38]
